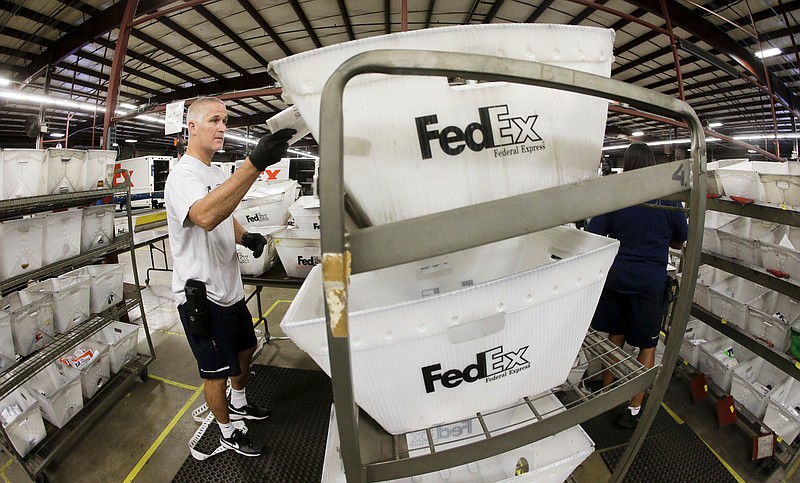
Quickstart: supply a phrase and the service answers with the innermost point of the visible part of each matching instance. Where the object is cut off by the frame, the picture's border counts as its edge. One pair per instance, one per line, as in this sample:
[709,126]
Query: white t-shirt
[207,256]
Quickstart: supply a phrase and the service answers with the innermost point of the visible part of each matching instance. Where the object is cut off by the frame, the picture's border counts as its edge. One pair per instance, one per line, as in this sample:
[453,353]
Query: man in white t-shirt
[205,279]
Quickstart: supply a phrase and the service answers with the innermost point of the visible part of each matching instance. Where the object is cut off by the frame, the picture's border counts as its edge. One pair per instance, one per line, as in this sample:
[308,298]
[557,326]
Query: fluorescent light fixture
[5,82]
[752,151]
[637,133]
[660,143]
[606,155]
[221,151]
[130,140]
[768,53]
[714,124]
[114,145]
[56,135]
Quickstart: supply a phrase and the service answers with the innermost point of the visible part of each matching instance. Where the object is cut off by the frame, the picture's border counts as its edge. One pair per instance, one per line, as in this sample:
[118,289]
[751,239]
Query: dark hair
[638,155]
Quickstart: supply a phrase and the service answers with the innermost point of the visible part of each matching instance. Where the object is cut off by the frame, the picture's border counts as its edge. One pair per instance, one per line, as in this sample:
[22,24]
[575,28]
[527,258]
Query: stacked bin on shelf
[97,227]
[753,381]
[22,420]
[91,359]
[21,244]
[61,236]
[783,410]
[718,359]
[31,323]
[739,238]
[58,390]
[7,352]
[121,341]
[730,298]
[783,254]
[697,333]
[770,317]
[105,289]
[24,173]
[70,299]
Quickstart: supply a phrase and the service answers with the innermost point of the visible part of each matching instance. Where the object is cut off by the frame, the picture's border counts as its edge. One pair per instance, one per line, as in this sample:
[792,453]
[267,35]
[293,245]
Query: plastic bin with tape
[459,140]
[305,213]
[97,227]
[299,251]
[24,173]
[31,322]
[62,235]
[70,299]
[7,352]
[730,297]
[267,203]
[20,246]
[22,420]
[95,369]
[697,333]
[752,383]
[106,285]
[503,321]
[718,359]
[64,169]
[783,410]
[121,340]
[781,183]
[741,179]
[248,263]
[770,316]
[58,390]
[98,171]
[739,239]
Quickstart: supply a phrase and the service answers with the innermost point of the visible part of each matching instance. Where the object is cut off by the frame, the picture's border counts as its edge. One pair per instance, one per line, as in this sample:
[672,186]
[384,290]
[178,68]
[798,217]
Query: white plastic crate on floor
[505,319]
[248,263]
[781,182]
[551,459]
[729,299]
[58,390]
[61,236]
[24,173]
[31,323]
[7,352]
[713,221]
[739,239]
[305,213]
[752,383]
[718,359]
[770,317]
[97,227]
[741,179]
[697,333]
[783,410]
[20,246]
[64,168]
[22,420]
[267,203]
[106,285]
[94,372]
[397,164]
[98,171]
[70,299]
[299,251]
[121,340]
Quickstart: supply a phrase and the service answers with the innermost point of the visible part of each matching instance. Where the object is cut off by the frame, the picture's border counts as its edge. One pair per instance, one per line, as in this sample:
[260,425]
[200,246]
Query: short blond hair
[197,108]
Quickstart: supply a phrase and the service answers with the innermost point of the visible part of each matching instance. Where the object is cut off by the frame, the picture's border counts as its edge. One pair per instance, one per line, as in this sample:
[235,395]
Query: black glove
[255,242]
[271,148]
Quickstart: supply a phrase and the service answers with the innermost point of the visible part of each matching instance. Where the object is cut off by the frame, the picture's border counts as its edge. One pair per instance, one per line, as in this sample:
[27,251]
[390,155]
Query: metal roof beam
[312,34]
[577,19]
[248,7]
[216,22]
[538,11]
[346,19]
[201,44]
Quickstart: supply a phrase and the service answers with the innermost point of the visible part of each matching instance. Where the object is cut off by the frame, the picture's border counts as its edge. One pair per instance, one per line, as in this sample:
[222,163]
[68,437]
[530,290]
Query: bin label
[490,365]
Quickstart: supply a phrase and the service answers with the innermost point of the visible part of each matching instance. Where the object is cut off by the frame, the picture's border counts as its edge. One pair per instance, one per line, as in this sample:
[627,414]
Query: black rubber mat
[294,436]
[674,455]
[606,433]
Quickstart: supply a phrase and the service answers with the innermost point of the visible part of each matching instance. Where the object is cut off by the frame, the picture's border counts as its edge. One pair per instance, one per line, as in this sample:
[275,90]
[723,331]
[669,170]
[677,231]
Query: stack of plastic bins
[739,238]
[299,250]
[121,341]
[770,317]
[99,169]
[58,390]
[742,179]
[105,289]
[94,372]
[23,173]
[61,235]
[267,204]
[706,276]
[718,359]
[22,420]
[713,221]
[490,325]
[781,182]
[305,213]
[753,381]
[783,410]
[7,351]
[20,246]
[97,227]
[713,181]
[730,297]
[64,169]
[31,323]
[70,299]
[697,333]
[783,255]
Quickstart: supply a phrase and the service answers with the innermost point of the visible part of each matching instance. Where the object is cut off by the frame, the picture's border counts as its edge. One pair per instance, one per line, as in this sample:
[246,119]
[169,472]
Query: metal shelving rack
[373,247]
[57,440]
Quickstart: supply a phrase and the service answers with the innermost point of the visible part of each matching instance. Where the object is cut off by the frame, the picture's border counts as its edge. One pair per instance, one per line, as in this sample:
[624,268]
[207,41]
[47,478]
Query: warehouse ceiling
[177,50]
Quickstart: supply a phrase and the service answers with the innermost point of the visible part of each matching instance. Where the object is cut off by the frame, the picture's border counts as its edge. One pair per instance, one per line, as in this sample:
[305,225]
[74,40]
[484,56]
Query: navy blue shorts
[636,316]
[231,332]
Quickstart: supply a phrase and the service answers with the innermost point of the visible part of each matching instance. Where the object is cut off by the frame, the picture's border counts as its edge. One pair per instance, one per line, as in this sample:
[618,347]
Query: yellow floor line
[162,436]
[269,310]
[171,332]
[791,471]
[174,383]
[671,413]
[3,470]
[733,472]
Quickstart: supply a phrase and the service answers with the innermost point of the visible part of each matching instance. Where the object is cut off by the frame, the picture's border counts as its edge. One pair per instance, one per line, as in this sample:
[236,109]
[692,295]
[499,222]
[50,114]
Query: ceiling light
[221,151]
[5,82]
[130,140]
[606,155]
[768,53]
[56,135]
[714,124]
[637,133]
[114,145]
[752,151]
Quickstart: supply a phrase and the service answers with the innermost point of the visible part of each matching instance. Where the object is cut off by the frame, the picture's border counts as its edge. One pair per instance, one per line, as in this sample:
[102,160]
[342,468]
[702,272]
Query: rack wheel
[143,376]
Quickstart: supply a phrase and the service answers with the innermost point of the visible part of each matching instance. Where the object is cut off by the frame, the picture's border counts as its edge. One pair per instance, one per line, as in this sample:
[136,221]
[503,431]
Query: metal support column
[116,66]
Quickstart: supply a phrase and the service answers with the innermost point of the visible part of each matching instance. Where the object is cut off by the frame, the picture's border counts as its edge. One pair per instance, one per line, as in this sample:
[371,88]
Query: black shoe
[248,412]
[240,443]
[628,420]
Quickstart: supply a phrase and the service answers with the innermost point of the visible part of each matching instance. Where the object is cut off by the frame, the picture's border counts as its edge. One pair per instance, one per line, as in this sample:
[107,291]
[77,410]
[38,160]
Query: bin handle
[477,329]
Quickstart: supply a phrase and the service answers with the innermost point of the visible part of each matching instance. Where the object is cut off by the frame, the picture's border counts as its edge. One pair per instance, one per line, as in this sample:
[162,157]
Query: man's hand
[271,148]
[255,242]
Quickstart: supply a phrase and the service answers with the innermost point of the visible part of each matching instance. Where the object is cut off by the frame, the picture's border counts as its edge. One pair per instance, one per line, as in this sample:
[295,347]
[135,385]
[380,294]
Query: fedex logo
[490,365]
[119,178]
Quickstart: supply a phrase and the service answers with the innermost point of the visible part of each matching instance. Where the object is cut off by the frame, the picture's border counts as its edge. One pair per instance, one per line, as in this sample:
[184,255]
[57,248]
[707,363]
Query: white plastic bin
[753,381]
[22,420]
[121,340]
[97,227]
[95,371]
[61,235]
[299,251]
[697,333]
[707,276]
[64,168]
[267,204]
[249,264]
[764,322]
[20,246]
[781,183]
[305,213]
[784,254]
[70,299]
[545,137]
[106,286]
[739,238]
[58,390]
[713,221]
[718,359]
[783,410]
[7,353]
[507,319]
[741,179]
[713,182]
[98,171]
[31,323]
[729,299]
[24,173]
